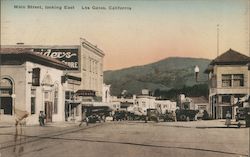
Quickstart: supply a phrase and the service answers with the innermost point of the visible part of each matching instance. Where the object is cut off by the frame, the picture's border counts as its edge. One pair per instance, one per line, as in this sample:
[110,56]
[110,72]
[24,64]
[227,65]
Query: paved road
[124,139]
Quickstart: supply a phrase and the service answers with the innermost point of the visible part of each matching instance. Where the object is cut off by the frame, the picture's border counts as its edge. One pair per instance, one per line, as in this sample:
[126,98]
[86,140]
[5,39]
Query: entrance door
[48,111]
[224,111]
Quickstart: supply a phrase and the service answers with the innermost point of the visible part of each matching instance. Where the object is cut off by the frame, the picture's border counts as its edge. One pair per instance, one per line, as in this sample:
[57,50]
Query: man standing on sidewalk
[41,118]
[228,119]
[84,118]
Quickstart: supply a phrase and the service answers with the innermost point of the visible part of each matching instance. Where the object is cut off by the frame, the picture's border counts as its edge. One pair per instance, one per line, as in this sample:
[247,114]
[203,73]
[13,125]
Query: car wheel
[183,117]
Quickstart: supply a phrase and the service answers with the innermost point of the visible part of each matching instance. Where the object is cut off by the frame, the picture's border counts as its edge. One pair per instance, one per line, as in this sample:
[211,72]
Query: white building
[228,81]
[165,106]
[145,102]
[30,82]
[106,97]
[84,77]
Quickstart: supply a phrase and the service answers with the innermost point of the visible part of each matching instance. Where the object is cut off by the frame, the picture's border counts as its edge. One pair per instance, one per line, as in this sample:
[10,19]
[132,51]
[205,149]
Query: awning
[85,93]
[73,101]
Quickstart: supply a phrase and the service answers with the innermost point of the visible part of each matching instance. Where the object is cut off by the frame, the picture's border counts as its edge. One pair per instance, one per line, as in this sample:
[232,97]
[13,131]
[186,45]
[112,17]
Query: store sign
[68,56]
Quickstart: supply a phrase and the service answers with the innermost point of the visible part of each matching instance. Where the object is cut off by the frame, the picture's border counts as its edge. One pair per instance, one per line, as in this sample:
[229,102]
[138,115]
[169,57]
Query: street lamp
[196,70]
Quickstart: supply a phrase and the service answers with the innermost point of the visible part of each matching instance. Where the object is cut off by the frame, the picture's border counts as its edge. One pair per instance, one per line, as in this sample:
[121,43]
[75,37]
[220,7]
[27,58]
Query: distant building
[145,102]
[228,81]
[106,96]
[165,106]
[199,103]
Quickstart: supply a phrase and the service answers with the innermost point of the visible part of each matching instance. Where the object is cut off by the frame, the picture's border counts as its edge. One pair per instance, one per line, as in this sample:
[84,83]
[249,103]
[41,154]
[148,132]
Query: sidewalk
[220,123]
[53,124]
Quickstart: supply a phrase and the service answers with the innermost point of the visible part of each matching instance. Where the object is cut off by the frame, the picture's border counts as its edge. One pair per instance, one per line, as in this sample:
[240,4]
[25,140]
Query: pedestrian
[41,118]
[84,118]
[228,119]
[174,116]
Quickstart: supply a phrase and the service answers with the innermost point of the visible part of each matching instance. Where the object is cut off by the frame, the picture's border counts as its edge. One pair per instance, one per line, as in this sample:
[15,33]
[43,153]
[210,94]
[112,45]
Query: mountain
[172,72]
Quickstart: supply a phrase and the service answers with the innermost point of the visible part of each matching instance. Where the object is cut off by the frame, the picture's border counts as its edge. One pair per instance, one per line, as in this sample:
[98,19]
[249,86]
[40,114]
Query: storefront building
[228,83]
[30,82]
[81,81]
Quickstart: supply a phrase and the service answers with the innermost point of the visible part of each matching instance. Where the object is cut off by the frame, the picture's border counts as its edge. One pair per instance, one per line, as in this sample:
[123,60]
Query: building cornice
[91,47]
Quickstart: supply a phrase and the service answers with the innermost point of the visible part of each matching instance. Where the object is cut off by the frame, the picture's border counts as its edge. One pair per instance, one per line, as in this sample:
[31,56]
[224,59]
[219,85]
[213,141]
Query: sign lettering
[68,56]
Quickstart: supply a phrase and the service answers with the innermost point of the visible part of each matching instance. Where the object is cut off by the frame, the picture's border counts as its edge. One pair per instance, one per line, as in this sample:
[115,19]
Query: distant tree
[194,91]
[157,92]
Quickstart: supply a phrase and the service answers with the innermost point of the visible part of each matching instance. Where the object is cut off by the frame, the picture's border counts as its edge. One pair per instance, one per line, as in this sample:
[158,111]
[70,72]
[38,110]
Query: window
[238,80]
[6,88]
[46,95]
[33,101]
[55,99]
[67,95]
[226,80]
[226,98]
[33,105]
[232,80]
[36,77]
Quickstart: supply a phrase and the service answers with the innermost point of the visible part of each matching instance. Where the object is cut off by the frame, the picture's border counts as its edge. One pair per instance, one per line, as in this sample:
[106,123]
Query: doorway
[48,111]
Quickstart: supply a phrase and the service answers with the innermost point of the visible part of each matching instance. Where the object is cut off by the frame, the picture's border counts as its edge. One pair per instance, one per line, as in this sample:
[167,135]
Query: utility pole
[218,31]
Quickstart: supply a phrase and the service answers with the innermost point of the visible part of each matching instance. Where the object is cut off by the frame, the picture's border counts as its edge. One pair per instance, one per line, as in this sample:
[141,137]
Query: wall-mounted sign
[68,56]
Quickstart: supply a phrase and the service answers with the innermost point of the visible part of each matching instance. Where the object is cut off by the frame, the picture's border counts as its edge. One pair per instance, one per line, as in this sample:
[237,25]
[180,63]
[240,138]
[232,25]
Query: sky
[151,31]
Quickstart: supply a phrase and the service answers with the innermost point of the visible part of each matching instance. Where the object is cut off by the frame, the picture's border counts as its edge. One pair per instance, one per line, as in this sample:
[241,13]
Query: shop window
[6,89]
[226,98]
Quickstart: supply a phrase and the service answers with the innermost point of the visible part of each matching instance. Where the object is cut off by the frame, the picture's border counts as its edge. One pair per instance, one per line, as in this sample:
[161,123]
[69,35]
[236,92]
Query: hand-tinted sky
[151,31]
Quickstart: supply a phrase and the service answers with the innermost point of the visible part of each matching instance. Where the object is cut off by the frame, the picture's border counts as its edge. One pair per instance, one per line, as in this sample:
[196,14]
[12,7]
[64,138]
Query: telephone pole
[218,33]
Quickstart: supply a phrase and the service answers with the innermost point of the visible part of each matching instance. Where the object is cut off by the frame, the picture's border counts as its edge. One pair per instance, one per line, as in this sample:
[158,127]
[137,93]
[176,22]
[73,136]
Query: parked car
[94,118]
[120,115]
[185,114]
[241,113]
[153,115]
[169,116]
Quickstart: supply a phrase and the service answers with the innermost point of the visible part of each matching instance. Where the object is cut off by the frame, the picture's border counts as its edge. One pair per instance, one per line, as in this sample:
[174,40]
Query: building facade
[83,79]
[228,83]
[30,82]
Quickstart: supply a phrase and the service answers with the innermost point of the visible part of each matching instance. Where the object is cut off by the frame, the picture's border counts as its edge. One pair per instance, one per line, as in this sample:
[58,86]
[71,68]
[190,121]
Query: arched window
[6,90]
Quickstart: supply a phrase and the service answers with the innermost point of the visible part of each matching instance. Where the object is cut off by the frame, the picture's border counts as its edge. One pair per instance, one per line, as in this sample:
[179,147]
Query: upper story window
[238,80]
[36,77]
[232,80]
[226,80]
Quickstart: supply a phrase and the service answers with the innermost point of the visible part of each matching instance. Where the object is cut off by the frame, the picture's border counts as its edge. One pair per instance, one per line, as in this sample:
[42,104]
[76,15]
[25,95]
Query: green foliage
[169,73]
[193,91]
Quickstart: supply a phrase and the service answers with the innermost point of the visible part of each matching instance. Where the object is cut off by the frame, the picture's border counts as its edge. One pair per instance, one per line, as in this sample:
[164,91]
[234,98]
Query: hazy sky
[152,30]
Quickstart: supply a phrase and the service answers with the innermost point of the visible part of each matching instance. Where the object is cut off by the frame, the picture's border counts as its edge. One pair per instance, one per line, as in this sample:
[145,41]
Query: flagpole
[218,31]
